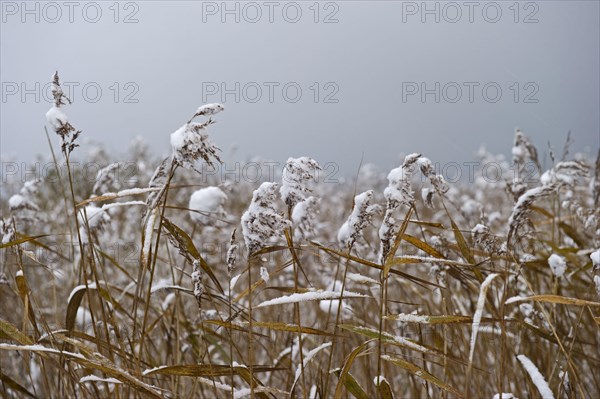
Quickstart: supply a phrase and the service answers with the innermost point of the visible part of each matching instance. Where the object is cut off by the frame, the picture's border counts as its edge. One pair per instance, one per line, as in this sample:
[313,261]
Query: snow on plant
[523,150]
[520,213]
[206,205]
[191,143]
[479,312]
[361,216]
[105,179]
[261,221]
[231,258]
[58,119]
[296,174]
[303,216]
[23,205]
[399,192]
[197,277]
[92,219]
[264,274]
[565,172]
[557,264]
[538,379]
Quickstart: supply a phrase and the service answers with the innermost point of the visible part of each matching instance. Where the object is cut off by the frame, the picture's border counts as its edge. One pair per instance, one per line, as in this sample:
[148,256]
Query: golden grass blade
[21,240]
[352,385]
[364,262]
[204,370]
[387,265]
[97,362]
[271,325]
[386,337]
[383,388]
[345,378]
[422,374]
[430,319]
[187,244]
[12,384]
[462,243]
[9,331]
[422,245]
[563,300]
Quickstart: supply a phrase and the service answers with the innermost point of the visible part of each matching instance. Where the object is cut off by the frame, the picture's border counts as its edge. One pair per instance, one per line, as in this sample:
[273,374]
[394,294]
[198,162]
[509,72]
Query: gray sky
[361,75]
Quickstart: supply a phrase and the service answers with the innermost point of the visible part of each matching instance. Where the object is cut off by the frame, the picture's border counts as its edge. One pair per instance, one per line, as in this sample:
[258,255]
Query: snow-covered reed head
[93,218]
[25,199]
[261,221]
[520,214]
[399,190]
[191,143]
[296,174]
[206,205]
[58,119]
[231,254]
[303,215]
[523,149]
[361,216]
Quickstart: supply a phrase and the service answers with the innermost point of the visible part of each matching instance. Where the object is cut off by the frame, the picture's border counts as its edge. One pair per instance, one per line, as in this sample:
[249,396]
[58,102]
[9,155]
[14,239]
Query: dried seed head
[261,221]
[361,216]
[191,143]
[296,174]
[231,254]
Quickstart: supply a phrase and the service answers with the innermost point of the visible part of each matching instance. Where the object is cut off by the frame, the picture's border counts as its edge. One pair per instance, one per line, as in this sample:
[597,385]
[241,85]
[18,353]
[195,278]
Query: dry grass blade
[432,319]
[205,370]
[364,262]
[553,299]
[73,304]
[383,389]
[386,338]
[387,265]
[21,240]
[9,331]
[423,246]
[97,362]
[310,296]
[15,386]
[120,194]
[186,246]
[352,385]
[345,378]
[422,374]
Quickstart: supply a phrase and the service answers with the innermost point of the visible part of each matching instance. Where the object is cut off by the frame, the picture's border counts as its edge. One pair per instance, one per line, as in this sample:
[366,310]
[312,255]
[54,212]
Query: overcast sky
[336,81]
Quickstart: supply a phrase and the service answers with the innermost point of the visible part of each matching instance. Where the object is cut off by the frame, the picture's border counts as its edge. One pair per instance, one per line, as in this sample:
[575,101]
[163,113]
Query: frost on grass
[206,205]
[294,181]
[557,264]
[538,379]
[504,395]
[261,221]
[595,257]
[479,312]
[310,296]
[264,274]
